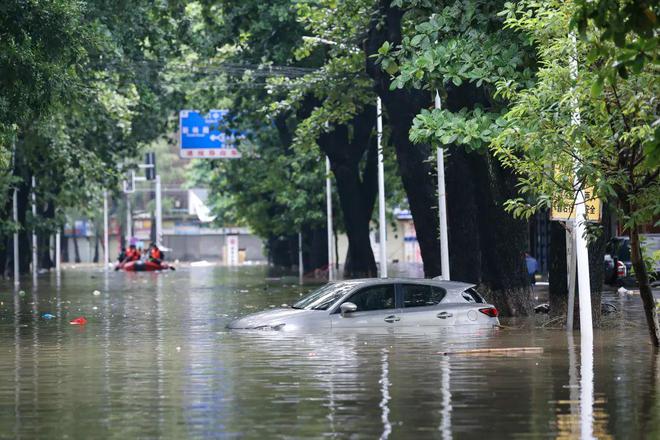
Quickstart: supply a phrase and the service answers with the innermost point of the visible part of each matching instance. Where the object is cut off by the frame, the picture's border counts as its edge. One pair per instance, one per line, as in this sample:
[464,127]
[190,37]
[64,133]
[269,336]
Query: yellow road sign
[566,209]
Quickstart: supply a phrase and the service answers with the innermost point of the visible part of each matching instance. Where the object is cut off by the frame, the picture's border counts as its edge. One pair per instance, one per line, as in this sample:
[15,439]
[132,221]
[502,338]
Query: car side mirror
[347,307]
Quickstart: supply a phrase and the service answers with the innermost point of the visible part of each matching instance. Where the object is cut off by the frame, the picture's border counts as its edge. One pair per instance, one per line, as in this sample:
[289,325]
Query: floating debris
[495,351]
[607,308]
[48,316]
[96,293]
[542,308]
[78,321]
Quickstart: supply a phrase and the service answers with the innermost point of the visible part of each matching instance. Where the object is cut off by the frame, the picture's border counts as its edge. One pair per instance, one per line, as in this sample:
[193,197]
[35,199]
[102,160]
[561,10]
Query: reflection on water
[155,360]
[385,392]
[445,424]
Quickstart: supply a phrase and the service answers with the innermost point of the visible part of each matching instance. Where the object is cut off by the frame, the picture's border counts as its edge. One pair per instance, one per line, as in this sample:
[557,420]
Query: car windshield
[324,297]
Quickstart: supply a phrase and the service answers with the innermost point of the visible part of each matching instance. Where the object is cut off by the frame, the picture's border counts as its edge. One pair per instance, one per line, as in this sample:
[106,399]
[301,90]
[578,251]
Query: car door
[423,306]
[376,307]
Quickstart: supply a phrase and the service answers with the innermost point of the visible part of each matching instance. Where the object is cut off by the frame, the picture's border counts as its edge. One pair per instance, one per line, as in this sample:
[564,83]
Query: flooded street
[155,360]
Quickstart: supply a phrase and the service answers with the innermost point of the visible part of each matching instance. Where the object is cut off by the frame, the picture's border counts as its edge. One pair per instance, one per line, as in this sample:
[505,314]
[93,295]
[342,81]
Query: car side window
[374,298]
[419,295]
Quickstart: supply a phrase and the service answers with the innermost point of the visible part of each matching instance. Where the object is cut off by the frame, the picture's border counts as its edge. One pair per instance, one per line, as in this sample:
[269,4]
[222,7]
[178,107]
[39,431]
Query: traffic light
[150,168]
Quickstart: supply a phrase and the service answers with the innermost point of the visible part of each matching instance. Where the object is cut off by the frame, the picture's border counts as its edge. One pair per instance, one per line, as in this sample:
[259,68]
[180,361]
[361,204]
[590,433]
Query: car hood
[273,319]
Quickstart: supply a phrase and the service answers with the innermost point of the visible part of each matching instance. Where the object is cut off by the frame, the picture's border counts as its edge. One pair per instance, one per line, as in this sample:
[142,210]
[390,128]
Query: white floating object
[623,291]
[96,293]
[202,263]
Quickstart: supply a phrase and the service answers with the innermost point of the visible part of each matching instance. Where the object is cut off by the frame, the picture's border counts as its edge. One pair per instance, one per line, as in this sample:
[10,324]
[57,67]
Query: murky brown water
[155,360]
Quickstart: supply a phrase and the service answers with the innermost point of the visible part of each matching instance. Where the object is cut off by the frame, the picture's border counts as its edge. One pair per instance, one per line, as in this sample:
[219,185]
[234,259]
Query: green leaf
[597,87]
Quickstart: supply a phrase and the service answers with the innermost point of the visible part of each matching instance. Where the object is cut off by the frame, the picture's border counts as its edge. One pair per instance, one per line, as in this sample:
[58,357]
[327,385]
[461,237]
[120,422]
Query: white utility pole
[15,215]
[442,205]
[571,262]
[328,205]
[58,252]
[129,221]
[581,251]
[381,192]
[301,270]
[35,267]
[106,251]
[159,213]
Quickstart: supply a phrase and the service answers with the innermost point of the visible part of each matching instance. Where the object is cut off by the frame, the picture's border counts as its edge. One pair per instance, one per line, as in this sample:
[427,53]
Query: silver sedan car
[378,303]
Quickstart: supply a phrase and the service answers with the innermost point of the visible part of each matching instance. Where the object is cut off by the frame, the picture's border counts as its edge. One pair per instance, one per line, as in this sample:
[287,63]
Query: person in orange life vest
[132,254]
[155,254]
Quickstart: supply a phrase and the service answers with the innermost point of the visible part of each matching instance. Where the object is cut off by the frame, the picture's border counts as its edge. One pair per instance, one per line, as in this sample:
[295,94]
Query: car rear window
[419,295]
[471,295]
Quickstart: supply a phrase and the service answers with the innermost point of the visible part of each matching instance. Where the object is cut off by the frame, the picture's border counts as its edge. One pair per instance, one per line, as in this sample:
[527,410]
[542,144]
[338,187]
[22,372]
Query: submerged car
[618,264]
[374,303]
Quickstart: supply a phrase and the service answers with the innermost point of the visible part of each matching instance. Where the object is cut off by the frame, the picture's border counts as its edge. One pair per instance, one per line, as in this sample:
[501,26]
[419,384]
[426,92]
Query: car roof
[454,286]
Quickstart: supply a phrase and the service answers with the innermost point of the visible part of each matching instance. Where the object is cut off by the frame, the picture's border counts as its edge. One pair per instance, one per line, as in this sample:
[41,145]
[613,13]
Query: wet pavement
[155,360]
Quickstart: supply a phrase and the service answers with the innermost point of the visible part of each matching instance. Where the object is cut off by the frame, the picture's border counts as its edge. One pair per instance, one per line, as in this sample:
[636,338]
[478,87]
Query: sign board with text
[206,136]
[565,210]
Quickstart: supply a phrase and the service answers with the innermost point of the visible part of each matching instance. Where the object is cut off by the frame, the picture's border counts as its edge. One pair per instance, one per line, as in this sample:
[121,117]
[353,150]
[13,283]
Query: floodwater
[155,360]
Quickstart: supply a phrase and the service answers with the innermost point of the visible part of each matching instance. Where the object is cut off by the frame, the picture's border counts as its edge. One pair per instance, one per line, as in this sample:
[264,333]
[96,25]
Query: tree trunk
[357,194]
[504,239]
[402,105]
[650,308]
[462,219]
[24,245]
[279,251]
[64,246]
[96,247]
[558,271]
[315,249]
[48,213]
[75,247]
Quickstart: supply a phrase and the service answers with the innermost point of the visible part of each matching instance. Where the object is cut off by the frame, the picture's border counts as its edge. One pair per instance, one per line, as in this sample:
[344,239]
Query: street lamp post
[442,206]
[381,192]
[328,207]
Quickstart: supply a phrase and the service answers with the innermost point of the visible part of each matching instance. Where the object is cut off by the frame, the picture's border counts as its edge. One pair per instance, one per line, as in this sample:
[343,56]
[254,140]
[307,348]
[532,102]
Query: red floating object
[78,321]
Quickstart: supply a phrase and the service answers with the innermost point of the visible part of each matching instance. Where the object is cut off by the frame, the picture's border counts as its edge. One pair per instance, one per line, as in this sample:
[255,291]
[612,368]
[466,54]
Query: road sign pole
[581,251]
[129,221]
[571,261]
[15,216]
[381,192]
[442,206]
[328,208]
[106,251]
[159,213]
[301,270]
[35,265]
[58,252]
[15,208]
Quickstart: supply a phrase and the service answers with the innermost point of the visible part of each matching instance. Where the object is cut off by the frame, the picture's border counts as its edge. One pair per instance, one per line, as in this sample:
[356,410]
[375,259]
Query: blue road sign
[206,136]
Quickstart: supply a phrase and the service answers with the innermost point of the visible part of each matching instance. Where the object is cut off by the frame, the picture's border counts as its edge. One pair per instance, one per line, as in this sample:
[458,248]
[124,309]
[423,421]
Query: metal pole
[328,202]
[106,251]
[15,214]
[570,249]
[34,228]
[581,251]
[381,192]
[442,206]
[159,213]
[129,221]
[300,259]
[58,252]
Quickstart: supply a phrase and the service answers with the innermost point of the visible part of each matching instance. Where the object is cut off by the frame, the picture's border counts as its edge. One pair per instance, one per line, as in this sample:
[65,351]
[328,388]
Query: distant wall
[210,247]
[184,247]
